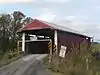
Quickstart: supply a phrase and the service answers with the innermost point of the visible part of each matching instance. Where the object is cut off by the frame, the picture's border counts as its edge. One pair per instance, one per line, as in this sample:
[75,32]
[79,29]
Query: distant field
[96,47]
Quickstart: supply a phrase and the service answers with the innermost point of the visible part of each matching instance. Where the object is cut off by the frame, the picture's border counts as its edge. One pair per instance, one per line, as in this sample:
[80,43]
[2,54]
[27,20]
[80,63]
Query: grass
[55,73]
[7,58]
[96,47]
[75,64]
[63,69]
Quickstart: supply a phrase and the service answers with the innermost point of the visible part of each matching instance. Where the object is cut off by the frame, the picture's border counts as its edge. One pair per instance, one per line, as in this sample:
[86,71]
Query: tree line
[9,25]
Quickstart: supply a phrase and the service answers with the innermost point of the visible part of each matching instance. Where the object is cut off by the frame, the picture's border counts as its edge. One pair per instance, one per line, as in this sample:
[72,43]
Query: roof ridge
[55,26]
[64,28]
[58,25]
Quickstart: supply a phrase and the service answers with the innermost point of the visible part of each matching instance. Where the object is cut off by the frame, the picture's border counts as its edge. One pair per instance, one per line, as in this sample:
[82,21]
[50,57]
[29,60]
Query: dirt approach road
[28,65]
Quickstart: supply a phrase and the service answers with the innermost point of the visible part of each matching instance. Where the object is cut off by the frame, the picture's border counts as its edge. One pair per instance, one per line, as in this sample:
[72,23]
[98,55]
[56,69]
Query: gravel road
[28,65]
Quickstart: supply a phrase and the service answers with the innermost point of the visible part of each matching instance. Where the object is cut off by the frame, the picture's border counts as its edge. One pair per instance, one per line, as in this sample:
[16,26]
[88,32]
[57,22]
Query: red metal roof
[39,24]
[36,24]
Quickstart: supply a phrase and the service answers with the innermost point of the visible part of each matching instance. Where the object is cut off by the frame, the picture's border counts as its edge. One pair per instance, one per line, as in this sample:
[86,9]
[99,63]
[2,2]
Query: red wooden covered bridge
[37,35]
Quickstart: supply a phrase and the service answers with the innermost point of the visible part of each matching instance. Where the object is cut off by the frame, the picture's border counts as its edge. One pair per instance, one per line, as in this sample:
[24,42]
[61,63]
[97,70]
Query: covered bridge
[37,35]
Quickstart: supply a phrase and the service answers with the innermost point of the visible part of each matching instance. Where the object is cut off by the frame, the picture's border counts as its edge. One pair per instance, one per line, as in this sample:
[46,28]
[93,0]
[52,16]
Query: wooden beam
[23,42]
[56,40]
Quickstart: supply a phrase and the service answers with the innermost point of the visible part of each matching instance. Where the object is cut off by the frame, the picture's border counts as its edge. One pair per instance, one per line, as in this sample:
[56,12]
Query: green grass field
[96,47]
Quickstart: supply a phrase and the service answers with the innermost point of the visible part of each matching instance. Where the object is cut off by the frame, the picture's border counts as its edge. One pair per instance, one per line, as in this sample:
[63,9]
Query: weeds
[77,62]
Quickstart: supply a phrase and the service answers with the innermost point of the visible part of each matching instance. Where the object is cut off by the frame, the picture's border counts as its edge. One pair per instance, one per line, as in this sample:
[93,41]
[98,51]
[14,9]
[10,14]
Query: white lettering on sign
[62,51]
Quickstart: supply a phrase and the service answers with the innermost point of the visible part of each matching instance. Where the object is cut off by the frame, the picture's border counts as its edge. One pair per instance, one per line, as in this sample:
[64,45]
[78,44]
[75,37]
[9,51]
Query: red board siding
[69,39]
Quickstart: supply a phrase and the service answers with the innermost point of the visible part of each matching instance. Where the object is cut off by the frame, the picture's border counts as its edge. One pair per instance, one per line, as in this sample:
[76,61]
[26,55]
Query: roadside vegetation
[9,25]
[81,62]
[8,57]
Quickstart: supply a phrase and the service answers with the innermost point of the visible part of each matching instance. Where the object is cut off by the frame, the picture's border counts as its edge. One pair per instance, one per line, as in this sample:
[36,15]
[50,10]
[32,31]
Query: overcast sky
[80,15]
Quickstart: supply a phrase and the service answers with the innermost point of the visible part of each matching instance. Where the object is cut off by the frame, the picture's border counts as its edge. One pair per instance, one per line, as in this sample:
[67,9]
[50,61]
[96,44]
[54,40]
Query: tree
[9,25]
[5,25]
[16,25]
[27,20]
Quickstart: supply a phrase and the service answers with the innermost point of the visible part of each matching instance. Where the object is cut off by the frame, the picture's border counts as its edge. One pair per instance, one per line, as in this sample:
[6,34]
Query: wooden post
[18,47]
[23,42]
[56,41]
[87,65]
[50,55]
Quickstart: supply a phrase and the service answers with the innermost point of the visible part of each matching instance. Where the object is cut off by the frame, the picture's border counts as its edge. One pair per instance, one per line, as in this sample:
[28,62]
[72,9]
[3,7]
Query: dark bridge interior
[37,47]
